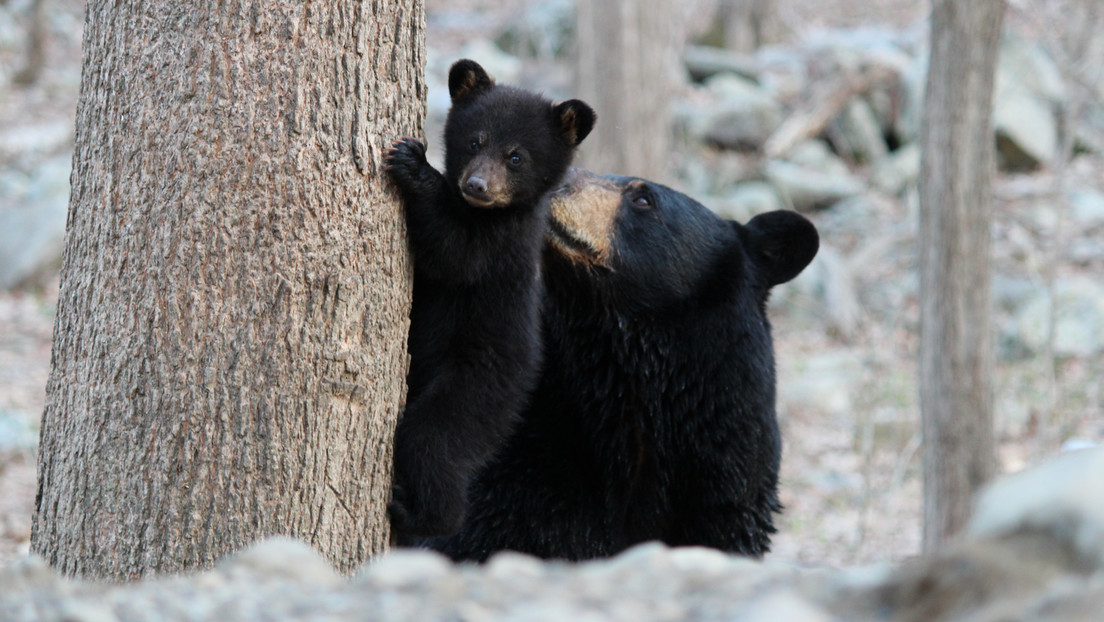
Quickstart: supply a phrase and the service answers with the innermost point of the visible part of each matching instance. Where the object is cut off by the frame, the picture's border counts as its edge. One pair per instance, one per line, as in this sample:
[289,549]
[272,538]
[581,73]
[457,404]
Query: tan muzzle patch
[485,184]
[584,210]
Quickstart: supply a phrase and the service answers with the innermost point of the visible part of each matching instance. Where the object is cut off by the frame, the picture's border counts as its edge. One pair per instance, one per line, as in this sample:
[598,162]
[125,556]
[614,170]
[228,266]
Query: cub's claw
[405,156]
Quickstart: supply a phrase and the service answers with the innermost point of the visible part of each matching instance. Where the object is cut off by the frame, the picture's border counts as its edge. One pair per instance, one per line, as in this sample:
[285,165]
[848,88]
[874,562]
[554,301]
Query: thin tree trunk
[36,45]
[956,350]
[625,64]
[230,348]
[749,24]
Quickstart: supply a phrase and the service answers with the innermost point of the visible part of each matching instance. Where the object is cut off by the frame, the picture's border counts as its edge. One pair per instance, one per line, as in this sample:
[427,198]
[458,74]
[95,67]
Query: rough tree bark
[230,346]
[625,67]
[956,352]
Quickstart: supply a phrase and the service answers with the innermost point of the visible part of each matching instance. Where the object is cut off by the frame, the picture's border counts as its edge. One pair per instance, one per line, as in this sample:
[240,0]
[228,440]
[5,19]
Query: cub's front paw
[405,159]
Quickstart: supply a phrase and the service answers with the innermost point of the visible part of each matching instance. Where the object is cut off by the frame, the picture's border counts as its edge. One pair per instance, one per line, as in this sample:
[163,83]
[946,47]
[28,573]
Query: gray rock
[806,189]
[1027,131]
[1027,65]
[890,99]
[849,220]
[816,155]
[1089,133]
[1085,250]
[783,72]
[700,562]
[32,221]
[742,117]
[704,61]
[1028,89]
[860,133]
[1032,551]
[1057,498]
[1079,315]
[1086,208]
[1043,218]
[746,200]
[898,171]
[729,170]
[511,565]
[411,568]
[282,558]
[783,604]
[868,44]
[895,102]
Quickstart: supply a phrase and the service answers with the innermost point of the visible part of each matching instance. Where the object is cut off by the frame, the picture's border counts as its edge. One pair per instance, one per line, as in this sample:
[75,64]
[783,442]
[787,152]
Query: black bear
[476,234]
[654,416]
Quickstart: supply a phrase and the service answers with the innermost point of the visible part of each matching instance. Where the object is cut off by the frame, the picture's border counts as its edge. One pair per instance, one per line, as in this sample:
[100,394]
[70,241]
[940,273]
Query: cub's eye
[643,202]
[473,146]
[515,159]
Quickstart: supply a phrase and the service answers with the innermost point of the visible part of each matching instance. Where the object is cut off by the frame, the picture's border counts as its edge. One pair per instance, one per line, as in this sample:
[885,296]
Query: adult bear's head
[643,247]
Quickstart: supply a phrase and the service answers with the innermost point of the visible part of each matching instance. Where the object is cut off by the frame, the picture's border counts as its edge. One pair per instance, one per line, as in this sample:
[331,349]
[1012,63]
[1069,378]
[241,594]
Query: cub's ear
[466,79]
[781,244]
[575,118]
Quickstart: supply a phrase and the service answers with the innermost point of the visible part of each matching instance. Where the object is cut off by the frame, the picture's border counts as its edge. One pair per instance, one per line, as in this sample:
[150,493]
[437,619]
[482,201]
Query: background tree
[625,65]
[956,350]
[230,351]
[747,25]
[36,44]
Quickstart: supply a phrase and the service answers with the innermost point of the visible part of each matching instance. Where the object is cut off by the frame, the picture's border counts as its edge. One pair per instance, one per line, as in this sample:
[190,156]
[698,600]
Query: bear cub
[476,234]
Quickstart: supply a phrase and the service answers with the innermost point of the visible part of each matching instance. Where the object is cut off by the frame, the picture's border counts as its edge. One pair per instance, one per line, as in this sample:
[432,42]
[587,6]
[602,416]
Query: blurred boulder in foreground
[1034,551]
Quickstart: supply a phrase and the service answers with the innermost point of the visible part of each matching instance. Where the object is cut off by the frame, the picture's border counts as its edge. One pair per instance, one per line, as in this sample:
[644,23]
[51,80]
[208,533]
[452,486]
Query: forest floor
[850,497]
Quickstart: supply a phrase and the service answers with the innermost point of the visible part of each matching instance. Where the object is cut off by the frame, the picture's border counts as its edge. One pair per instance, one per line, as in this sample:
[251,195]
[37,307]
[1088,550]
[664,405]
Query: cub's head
[506,146]
[644,245]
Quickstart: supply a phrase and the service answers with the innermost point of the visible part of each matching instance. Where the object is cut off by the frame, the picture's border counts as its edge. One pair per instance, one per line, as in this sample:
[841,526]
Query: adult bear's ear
[781,244]
[575,119]
[467,79]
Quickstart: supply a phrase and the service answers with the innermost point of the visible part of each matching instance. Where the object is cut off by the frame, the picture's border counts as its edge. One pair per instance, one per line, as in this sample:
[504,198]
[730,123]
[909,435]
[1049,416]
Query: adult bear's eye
[642,201]
[473,146]
[515,159]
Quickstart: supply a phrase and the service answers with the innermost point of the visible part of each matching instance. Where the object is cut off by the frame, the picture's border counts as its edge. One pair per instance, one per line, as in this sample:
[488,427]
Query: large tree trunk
[230,347]
[625,68]
[956,353]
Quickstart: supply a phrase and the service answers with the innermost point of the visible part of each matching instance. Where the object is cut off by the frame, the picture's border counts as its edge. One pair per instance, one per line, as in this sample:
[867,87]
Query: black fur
[654,416]
[474,335]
